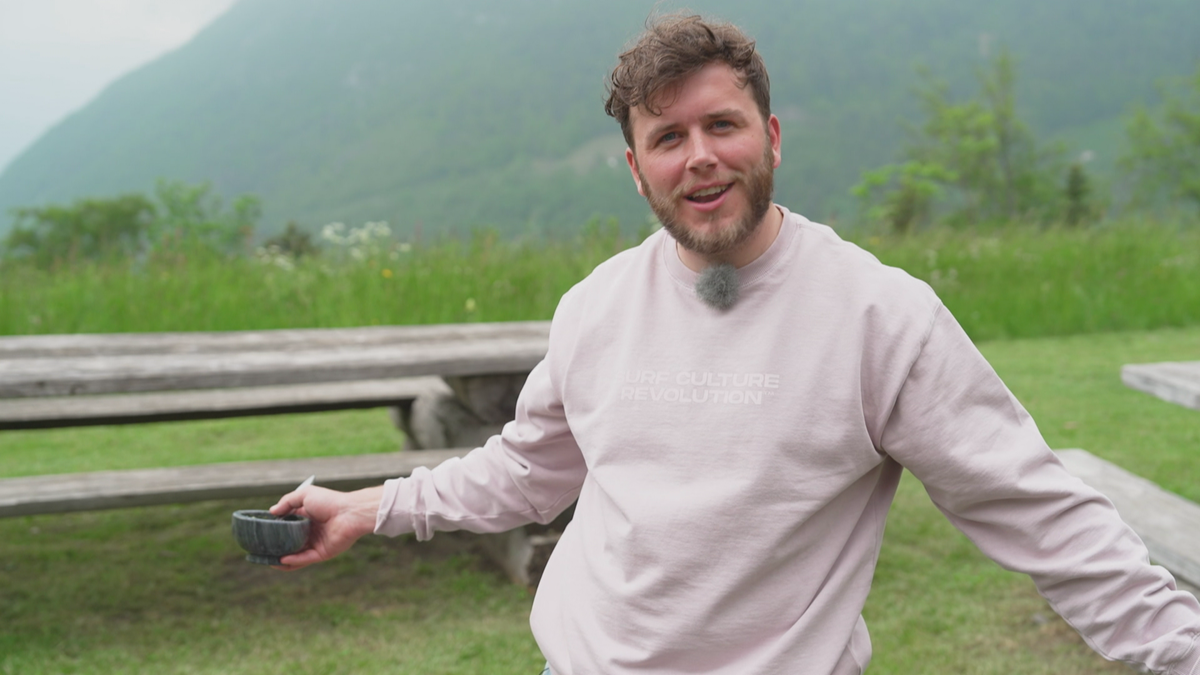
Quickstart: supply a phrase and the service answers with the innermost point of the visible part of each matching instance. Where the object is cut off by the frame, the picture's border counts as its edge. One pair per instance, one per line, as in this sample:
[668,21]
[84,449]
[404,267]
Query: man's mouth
[710,194]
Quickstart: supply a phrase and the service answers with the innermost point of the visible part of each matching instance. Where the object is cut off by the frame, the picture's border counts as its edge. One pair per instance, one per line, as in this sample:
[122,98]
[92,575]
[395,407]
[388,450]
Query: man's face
[706,163]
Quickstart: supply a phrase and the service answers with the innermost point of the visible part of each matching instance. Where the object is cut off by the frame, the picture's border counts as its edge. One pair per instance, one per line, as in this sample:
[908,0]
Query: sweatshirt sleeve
[530,472]
[959,430]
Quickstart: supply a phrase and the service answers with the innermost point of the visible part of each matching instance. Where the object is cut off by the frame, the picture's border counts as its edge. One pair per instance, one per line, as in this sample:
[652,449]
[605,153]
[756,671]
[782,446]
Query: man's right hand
[338,520]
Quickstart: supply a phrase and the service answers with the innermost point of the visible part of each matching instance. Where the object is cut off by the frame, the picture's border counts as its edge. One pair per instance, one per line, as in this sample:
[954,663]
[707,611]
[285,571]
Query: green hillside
[448,116]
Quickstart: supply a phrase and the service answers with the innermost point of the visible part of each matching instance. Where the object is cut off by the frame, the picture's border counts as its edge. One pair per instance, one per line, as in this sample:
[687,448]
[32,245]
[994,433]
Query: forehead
[716,86]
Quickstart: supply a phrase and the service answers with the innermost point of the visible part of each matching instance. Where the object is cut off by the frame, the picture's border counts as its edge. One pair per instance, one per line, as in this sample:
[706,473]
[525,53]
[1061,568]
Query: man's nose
[701,156]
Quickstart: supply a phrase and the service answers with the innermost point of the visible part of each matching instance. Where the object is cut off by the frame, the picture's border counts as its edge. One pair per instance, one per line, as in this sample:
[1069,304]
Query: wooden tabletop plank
[1166,522]
[71,376]
[1174,381]
[134,344]
[174,406]
[268,479]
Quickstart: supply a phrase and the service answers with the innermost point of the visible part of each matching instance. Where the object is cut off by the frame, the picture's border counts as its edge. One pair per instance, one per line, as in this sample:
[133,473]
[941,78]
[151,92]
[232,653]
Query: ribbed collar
[748,274]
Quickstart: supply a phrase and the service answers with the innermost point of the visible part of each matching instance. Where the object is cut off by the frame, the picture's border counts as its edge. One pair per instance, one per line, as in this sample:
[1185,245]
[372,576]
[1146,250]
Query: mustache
[733,178]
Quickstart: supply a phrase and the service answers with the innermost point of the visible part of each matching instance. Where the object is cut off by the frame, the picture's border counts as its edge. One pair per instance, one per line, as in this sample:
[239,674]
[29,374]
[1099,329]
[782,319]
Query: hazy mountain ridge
[479,113]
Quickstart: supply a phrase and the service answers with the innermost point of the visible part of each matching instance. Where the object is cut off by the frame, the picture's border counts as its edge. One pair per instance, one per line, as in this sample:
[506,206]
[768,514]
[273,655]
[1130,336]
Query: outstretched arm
[338,520]
[529,472]
[957,428]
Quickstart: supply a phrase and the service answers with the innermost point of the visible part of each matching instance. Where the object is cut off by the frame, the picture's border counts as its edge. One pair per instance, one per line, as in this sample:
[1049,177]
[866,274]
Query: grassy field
[1006,283]
[31,453]
[164,589]
[389,282]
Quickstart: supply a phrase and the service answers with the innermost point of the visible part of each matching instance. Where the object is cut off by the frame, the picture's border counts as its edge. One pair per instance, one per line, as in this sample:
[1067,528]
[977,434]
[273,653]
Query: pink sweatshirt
[734,469]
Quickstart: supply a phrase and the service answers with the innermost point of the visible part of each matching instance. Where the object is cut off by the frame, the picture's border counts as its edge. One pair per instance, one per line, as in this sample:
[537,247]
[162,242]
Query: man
[734,454]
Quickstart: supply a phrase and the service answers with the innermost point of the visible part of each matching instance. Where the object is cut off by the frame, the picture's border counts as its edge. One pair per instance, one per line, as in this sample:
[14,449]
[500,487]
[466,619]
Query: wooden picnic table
[448,387]
[1174,381]
[70,380]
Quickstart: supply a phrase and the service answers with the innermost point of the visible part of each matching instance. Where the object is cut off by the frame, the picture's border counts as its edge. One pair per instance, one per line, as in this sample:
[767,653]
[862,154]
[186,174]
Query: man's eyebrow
[728,112]
[659,129]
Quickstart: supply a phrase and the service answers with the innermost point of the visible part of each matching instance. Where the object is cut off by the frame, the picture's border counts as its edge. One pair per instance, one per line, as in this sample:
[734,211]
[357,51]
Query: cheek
[662,175]
[753,154]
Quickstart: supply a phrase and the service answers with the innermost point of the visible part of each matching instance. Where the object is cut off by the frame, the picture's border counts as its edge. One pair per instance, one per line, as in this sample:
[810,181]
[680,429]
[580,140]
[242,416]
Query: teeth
[709,191]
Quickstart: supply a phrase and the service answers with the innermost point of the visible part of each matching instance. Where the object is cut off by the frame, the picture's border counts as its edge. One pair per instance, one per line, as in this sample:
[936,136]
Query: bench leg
[522,556]
[493,398]
[523,552]
[439,420]
[463,412]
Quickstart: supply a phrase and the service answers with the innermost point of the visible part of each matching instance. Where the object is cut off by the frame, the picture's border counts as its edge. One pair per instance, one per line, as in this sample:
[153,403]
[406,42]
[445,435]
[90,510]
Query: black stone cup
[267,537]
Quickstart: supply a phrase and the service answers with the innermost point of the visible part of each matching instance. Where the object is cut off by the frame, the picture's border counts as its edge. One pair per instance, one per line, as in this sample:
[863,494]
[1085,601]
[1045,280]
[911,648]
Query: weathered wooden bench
[448,386]
[522,552]
[1166,522]
[1177,381]
[95,490]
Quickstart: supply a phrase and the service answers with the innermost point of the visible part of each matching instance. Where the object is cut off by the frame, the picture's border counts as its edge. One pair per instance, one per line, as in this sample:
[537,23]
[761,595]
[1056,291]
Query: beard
[759,183]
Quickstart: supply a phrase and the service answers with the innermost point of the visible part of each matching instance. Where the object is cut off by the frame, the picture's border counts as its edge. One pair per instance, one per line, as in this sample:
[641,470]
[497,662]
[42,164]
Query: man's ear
[775,136]
[632,162]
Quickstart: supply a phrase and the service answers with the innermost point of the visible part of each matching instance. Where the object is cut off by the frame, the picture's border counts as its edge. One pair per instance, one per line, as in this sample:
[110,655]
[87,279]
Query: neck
[746,253]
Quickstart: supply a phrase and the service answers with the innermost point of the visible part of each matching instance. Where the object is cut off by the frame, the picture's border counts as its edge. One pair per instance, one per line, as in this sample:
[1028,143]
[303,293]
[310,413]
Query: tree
[977,154]
[1164,146]
[1078,194]
[908,191]
[131,224]
[194,214]
[1025,170]
[293,241]
[958,138]
[86,229]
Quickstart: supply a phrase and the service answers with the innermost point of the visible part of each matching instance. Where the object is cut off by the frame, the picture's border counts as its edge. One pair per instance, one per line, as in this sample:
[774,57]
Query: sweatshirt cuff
[1192,662]
[389,520]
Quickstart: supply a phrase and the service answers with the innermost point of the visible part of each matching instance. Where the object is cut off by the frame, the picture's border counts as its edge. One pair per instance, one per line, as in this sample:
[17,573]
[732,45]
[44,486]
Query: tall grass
[1003,283]
[486,280]
[1020,282]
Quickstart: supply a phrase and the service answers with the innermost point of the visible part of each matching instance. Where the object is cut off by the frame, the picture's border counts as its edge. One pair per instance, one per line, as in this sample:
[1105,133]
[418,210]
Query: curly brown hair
[673,47]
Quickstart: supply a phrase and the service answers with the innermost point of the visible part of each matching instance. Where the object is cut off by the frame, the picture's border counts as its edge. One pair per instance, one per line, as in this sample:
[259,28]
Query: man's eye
[722,124]
[668,137]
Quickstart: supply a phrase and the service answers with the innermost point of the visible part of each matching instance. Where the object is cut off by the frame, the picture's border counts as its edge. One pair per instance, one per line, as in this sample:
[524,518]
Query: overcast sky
[56,55]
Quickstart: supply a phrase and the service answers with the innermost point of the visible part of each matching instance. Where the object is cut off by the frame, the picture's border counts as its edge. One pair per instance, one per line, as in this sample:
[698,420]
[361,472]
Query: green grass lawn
[164,590]
[30,453]
[1072,387]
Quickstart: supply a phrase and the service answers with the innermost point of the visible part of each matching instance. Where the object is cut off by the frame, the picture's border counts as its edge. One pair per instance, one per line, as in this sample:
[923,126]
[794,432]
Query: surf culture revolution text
[698,386]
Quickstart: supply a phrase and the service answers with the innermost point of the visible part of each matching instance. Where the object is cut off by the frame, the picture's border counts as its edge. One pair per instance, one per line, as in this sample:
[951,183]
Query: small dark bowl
[266,537]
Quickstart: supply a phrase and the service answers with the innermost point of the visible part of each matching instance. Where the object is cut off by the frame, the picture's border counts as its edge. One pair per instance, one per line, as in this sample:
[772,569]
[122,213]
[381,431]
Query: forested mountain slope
[454,115]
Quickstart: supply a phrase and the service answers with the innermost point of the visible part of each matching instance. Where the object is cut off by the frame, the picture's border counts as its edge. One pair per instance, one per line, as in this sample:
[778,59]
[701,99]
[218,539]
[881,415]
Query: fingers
[288,503]
[299,560]
[338,521]
[306,557]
